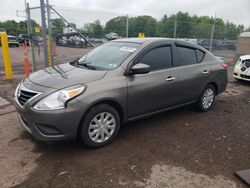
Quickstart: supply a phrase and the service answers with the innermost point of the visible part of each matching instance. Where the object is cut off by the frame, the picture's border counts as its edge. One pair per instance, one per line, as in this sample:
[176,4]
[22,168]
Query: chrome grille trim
[24,95]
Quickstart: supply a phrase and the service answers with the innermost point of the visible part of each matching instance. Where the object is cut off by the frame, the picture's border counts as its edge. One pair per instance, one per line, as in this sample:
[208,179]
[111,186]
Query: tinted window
[187,56]
[200,55]
[158,58]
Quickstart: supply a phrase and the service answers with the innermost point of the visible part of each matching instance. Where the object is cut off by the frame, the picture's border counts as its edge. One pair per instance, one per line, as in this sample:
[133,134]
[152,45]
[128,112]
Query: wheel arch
[110,102]
[215,86]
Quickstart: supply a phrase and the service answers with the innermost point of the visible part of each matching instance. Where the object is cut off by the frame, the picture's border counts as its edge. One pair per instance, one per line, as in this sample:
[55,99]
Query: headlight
[59,99]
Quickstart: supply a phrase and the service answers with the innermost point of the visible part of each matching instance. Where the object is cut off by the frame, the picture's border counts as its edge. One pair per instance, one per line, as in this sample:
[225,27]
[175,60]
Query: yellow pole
[6,56]
[49,54]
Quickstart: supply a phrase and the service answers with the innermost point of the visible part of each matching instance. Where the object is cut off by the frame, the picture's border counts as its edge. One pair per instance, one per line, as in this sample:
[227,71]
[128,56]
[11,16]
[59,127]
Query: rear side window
[187,56]
[200,55]
[158,58]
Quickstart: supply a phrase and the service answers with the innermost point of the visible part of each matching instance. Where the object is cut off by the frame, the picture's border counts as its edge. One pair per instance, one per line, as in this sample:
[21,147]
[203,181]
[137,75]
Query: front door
[155,90]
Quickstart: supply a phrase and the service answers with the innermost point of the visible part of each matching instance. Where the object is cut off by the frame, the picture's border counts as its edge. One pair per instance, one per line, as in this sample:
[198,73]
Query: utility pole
[50,38]
[127,26]
[175,28]
[44,33]
[212,34]
[31,38]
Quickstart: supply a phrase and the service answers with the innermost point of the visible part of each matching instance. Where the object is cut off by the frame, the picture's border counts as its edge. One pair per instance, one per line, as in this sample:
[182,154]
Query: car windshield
[108,56]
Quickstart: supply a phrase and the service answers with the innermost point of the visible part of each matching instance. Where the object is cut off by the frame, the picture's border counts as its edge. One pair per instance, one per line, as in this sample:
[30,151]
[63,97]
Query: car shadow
[127,130]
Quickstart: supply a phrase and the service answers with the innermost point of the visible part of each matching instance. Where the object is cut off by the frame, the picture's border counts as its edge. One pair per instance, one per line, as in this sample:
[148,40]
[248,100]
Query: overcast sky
[237,11]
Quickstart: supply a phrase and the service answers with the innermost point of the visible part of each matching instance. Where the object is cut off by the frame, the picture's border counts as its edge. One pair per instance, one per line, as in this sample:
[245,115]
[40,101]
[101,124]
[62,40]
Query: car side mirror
[140,68]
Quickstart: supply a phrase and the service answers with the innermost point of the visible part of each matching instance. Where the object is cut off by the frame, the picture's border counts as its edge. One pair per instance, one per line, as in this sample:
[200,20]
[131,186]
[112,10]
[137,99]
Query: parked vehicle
[117,82]
[73,40]
[12,41]
[2,30]
[242,68]
[38,41]
[112,36]
[22,38]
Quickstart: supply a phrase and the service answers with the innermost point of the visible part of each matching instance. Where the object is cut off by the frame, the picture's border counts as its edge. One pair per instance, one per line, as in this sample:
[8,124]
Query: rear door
[193,72]
[155,90]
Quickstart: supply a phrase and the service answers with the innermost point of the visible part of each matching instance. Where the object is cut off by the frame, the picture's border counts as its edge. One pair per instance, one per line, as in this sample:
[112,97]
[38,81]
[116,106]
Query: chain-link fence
[76,31]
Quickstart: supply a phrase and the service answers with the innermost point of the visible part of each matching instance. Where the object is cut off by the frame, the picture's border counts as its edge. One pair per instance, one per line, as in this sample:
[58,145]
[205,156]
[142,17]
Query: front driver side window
[158,58]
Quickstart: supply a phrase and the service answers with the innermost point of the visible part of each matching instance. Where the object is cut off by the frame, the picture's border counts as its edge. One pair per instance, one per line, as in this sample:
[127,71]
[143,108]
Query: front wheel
[206,99]
[100,126]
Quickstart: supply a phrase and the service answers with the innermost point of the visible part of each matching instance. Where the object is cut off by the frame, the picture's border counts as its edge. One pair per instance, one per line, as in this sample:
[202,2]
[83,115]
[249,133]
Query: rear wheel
[206,99]
[100,126]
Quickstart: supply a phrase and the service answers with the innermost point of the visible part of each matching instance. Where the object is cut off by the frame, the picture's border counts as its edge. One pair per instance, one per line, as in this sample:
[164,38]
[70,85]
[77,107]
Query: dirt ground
[180,148]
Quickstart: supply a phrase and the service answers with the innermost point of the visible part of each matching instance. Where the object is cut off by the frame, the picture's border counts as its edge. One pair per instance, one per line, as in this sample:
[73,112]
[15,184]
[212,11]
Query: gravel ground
[180,148]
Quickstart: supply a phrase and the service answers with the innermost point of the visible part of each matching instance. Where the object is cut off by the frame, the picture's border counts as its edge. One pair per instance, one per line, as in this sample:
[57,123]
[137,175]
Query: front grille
[24,96]
[245,76]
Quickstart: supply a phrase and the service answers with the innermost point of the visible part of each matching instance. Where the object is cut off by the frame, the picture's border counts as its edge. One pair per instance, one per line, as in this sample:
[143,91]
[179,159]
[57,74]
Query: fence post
[44,33]
[49,51]
[175,28]
[50,39]
[212,34]
[6,56]
[31,39]
[127,26]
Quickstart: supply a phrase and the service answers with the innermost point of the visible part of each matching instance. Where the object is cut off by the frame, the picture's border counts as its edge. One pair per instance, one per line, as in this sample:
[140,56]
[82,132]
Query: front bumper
[51,125]
[241,76]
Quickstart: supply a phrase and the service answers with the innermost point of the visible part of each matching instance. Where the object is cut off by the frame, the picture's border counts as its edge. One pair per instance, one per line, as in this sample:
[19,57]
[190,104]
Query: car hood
[64,75]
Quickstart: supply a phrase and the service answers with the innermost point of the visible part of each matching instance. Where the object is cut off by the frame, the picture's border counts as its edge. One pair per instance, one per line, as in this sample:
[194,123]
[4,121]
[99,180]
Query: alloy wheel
[208,98]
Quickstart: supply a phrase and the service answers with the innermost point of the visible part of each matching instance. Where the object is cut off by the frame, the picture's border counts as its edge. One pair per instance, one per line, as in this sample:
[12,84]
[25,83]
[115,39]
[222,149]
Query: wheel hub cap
[102,127]
[208,98]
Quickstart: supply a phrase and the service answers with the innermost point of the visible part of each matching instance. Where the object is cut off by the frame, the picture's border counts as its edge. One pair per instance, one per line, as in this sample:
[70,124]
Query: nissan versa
[122,80]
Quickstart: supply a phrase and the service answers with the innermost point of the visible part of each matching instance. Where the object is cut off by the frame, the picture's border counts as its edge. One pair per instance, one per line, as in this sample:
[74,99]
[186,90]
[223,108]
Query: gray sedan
[120,81]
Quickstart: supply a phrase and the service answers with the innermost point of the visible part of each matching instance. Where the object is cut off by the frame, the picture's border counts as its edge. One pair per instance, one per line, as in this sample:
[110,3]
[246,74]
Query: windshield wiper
[86,65]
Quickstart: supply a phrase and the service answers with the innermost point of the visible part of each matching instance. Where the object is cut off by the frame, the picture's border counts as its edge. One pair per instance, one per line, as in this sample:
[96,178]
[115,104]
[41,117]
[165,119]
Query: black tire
[200,105]
[84,129]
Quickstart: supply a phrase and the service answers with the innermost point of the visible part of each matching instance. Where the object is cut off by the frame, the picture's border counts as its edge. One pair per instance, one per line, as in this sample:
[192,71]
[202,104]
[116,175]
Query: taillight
[224,65]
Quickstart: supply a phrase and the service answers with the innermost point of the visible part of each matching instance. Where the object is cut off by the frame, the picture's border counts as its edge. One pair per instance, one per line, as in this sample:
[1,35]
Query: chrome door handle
[205,72]
[170,78]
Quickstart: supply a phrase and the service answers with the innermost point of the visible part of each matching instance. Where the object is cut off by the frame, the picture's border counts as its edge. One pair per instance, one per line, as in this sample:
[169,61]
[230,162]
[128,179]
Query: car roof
[140,40]
[244,57]
[11,36]
[150,40]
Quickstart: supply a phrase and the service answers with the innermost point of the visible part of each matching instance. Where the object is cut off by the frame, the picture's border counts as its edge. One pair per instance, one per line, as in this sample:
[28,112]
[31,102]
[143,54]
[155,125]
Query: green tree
[15,28]
[166,27]
[184,25]
[145,24]
[116,25]
[94,29]
[57,26]
[231,30]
